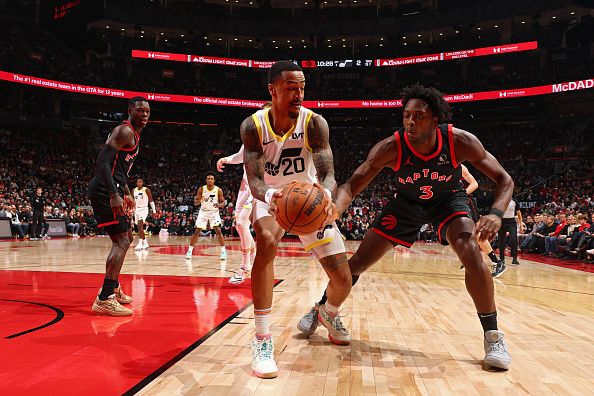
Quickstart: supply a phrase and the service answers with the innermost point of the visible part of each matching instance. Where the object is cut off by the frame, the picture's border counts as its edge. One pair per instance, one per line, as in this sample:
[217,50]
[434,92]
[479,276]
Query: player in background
[143,198]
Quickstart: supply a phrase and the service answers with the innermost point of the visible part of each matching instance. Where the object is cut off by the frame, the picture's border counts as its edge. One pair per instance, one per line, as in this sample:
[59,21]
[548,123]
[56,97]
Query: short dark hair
[136,99]
[277,69]
[140,178]
[434,99]
[209,173]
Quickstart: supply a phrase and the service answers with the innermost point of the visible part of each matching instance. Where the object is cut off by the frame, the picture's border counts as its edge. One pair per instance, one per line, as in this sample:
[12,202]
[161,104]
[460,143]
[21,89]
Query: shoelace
[497,346]
[264,351]
[338,323]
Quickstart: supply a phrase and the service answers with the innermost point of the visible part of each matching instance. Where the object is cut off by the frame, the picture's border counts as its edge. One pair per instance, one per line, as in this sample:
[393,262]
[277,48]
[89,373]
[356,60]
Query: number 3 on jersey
[427,193]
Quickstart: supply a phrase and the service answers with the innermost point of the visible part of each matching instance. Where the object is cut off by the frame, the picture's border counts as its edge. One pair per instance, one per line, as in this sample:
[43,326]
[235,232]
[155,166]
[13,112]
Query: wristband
[152,203]
[497,212]
[329,193]
[268,195]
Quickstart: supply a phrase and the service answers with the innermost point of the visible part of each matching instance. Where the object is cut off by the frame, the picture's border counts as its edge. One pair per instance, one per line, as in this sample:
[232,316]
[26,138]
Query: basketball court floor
[414,328]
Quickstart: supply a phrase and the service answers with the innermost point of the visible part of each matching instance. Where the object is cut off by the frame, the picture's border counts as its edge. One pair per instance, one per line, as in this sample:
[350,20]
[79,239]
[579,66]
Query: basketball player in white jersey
[143,197]
[243,210]
[209,197]
[284,143]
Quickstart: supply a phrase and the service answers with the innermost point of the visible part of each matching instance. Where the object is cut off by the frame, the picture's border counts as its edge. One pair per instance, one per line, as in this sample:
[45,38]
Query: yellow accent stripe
[306,140]
[276,137]
[318,243]
[258,125]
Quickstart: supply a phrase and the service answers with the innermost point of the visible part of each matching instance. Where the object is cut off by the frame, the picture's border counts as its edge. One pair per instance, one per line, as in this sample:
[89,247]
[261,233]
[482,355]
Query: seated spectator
[72,224]
[19,229]
[552,239]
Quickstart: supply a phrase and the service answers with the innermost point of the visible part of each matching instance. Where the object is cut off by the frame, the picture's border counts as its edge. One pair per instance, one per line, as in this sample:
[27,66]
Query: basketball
[301,208]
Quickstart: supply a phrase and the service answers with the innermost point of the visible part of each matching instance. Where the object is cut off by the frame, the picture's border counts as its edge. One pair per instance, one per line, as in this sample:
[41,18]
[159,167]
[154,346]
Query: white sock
[245,259]
[262,317]
[190,249]
[223,249]
[331,309]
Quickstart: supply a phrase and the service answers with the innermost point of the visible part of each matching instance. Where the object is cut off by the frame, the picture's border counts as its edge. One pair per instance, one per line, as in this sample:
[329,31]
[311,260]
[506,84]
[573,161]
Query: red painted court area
[83,353]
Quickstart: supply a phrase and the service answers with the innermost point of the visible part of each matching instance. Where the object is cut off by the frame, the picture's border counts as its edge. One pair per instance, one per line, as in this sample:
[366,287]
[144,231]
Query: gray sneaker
[498,269]
[496,354]
[309,323]
[337,333]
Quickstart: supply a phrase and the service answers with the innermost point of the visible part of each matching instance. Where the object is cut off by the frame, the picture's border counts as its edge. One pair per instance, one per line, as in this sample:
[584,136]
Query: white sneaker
[189,255]
[140,246]
[496,354]
[337,333]
[238,277]
[263,364]
[223,255]
[145,245]
[590,251]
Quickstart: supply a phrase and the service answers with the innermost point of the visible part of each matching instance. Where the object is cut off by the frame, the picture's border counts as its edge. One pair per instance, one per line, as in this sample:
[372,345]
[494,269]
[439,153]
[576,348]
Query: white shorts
[140,214]
[323,243]
[206,217]
[244,202]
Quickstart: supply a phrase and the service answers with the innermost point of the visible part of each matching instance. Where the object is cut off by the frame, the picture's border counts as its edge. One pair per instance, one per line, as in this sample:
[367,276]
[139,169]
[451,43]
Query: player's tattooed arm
[253,158]
[221,198]
[384,154]
[318,139]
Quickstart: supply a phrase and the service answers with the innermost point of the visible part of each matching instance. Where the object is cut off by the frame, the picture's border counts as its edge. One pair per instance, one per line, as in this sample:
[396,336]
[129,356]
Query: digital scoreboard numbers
[309,64]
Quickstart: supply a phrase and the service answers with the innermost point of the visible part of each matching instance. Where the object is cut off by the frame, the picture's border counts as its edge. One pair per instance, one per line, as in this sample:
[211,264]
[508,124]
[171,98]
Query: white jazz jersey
[210,199]
[141,198]
[287,157]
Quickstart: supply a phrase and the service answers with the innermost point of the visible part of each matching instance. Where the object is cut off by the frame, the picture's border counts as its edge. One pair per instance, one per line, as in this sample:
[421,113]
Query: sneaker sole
[236,282]
[497,364]
[258,374]
[102,311]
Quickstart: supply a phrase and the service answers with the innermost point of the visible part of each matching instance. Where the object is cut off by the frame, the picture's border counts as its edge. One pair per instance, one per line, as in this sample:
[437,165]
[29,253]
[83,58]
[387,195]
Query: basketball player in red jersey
[425,156]
[113,203]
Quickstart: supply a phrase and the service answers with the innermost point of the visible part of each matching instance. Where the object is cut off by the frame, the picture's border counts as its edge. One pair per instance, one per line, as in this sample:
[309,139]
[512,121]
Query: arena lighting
[324,104]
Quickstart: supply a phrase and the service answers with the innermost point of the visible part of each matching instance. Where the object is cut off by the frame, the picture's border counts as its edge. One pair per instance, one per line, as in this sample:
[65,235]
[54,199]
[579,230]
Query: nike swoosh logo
[265,143]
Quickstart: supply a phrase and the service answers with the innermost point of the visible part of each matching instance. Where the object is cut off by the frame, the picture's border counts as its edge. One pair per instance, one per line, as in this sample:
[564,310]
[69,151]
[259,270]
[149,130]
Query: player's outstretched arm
[469,148]
[383,154]
[233,159]
[472,183]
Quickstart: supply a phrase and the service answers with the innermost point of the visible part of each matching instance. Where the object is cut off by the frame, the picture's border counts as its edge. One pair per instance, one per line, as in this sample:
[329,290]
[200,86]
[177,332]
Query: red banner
[314,104]
[160,56]
[469,53]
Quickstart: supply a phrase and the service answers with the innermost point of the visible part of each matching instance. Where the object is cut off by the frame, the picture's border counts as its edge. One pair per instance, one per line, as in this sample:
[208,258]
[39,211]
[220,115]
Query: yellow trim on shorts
[258,125]
[318,243]
[307,119]
[276,137]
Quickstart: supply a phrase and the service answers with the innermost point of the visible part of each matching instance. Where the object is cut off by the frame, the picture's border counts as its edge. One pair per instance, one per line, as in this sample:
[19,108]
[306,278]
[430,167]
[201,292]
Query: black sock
[488,321]
[324,298]
[493,257]
[107,288]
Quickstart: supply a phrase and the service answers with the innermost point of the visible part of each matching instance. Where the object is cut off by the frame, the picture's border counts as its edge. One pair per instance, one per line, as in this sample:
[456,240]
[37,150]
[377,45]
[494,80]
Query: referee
[38,204]
[510,225]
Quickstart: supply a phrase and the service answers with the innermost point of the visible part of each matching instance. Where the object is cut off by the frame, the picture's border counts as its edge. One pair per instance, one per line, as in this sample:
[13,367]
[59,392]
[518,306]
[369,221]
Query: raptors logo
[389,222]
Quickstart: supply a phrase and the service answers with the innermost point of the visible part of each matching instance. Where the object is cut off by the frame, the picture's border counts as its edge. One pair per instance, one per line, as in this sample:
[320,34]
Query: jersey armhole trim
[399,148]
[305,129]
[451,143]
[258,125]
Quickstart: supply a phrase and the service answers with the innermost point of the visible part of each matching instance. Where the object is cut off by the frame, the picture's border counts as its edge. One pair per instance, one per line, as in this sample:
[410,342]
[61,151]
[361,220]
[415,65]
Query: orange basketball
[301,208]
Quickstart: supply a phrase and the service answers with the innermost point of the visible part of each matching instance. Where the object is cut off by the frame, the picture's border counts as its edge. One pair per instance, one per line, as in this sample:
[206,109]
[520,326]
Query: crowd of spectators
[62,166]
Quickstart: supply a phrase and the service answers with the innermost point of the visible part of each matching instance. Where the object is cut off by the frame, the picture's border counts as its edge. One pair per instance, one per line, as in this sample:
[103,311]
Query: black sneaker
[515,261]
[498,269]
